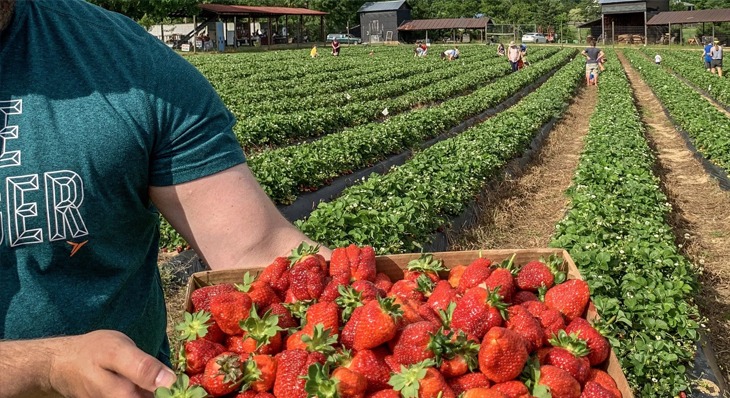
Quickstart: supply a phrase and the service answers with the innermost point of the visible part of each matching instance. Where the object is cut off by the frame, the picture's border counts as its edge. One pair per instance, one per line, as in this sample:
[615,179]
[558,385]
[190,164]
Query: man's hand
[98,364]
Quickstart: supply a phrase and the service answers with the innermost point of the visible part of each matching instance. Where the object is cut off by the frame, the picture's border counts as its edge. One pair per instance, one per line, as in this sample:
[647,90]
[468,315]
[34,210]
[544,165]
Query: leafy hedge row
[690,66]
[285,172]
[616,231]
[708,127]
[400,211]
[279,129]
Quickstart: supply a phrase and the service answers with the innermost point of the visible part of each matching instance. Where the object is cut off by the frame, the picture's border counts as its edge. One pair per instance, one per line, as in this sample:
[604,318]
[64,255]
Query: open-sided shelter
[667,19]
[446,24]
[624,21]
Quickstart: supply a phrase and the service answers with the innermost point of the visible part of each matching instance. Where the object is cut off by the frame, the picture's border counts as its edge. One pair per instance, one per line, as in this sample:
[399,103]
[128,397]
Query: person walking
[513,56]
[592,55]
[101,145]
[716,55]
[706,57]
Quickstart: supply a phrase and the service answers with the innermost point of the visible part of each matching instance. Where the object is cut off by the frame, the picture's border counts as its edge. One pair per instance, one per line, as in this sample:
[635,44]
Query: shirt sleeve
[194,136]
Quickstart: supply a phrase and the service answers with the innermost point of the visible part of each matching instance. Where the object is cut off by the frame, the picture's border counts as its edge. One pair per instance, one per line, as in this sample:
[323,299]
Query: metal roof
[222,9]
[697,16]
[445,23]
[618,1]
[382,6]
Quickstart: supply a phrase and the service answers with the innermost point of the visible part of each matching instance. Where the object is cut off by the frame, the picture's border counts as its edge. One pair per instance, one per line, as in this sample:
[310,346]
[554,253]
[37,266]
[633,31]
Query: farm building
[624,22]
[379,21]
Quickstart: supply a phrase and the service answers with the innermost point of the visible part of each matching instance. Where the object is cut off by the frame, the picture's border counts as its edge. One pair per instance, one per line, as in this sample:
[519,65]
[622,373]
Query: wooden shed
[379,21]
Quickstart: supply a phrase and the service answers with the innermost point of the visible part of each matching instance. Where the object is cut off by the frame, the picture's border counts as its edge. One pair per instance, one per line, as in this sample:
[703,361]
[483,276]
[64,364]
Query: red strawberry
[254,394]
[385,394]
[597,344]
[425,265]
[605,380]
[442,295]
[383,282]
[229,309]
[306,253]
[502,355]
[324,314]
[277,275]
[513,389]
[595,390]
[376,324]
[332,286]
[308,274]
[421,380]
[482,392]
[362,263]
[521,321]
[502,278]
[340,264]
[197,353]
[368,290]
[412,345]
[261,293]
[468,381]
[533,275]
[407,290]
[569,353]
[292,366]
[428,314]
[523,296]
[560,383]
[196,380]
[478,311]
[223,374]
[474,274]
[570,298]
[371,364]
[551,320]
[286,320]
[201,297]
[259,373]
[343,383]
[411,312]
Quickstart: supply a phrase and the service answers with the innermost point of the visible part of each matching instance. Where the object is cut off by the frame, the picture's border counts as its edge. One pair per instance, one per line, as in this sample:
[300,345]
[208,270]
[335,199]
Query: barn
[379,21]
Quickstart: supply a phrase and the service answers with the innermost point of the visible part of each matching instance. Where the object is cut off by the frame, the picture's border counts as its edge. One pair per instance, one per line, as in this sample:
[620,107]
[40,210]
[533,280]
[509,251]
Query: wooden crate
[393,266]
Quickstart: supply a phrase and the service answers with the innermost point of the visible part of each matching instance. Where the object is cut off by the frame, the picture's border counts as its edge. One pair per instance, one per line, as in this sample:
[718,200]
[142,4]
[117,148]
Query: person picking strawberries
[95,146]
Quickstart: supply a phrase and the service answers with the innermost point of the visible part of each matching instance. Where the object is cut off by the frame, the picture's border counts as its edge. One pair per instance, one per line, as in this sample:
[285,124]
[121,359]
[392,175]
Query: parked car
[343,38]
[534,38]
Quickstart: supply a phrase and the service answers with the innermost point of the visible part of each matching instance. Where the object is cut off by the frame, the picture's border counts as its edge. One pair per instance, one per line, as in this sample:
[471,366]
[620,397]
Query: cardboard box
[393,266]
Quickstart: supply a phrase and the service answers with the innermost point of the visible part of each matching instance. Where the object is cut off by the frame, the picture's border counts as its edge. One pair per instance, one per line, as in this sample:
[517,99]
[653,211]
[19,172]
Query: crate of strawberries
[490,323]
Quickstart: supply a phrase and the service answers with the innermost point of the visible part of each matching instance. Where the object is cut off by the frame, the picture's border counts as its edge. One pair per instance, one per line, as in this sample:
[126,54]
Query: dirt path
[701,218]
[521,212]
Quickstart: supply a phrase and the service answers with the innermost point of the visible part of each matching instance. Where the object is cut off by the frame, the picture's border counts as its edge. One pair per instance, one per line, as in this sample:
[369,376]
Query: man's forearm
[25,366]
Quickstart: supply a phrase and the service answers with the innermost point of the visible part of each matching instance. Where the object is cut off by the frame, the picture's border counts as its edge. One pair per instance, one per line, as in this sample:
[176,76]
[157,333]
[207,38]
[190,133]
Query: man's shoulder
[92,17]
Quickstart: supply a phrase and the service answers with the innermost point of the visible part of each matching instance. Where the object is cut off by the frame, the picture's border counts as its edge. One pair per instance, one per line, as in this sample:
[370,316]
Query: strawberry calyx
[303,250]
[555,263]
[448,315]
[509,264]
[495,300]
[389,307]
[319,383]
[261,329]
[408,380]
[447,345]
[230,367]
[248,281]
[298,309]
[194,326]
[341,358]
[531,377]
[181,389]
[427,264]
[251,374]
[425,285]
[320,340]
[571,343]
[349,300]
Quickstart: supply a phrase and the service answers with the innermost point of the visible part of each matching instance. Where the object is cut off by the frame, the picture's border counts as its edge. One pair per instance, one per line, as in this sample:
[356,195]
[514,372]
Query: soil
[701,219]
[521,211]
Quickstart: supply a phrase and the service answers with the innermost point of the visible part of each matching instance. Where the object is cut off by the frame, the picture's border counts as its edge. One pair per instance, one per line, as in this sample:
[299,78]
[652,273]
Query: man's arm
[94,365]
[228,219]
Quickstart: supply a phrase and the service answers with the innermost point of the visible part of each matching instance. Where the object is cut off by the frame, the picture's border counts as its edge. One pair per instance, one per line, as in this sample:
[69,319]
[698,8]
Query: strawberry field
[389,152]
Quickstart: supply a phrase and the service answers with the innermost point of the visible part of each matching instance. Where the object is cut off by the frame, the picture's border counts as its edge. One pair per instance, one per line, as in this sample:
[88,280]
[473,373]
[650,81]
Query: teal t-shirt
[93,111]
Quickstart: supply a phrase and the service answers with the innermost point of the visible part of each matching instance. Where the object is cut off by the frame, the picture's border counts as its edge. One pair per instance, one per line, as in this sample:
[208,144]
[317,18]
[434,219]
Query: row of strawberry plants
[400,79]
[279,129]
[689,66]
[379,87]
[400,211]
[708,127]
[285,172]
[616,231]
